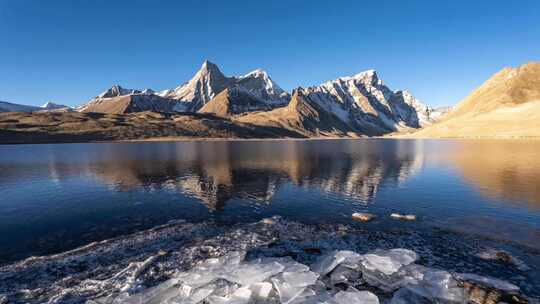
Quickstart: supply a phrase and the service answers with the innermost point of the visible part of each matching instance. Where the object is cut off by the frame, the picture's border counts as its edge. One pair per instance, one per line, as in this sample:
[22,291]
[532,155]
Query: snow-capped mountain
[14,107]
[364,101]
[234,100]
[51,106]
[191,96]
[261,85]
[360,103]
[119,100]
[205,85]
[209,81]
[116,91]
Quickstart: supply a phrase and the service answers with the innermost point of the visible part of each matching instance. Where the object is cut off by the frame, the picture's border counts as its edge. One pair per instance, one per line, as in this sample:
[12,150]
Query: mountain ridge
[14,107]
[349,106]
[507,105]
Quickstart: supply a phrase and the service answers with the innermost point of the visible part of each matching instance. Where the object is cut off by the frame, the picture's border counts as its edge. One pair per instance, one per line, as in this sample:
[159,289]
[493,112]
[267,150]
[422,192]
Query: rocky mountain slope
[119,100]
[209,81]
[348,106]
[191,96]
[301,115]
[364,102]
[130,103]
[234,100]
[360,104]
[506,105]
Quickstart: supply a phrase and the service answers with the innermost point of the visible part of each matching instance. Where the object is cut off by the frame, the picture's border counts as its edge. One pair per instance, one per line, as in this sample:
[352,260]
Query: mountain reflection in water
[215,172]
[501,169]
[57,197]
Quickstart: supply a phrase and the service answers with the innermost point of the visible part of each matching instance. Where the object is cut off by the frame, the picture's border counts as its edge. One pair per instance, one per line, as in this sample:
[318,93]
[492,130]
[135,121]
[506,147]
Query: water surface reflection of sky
[83,192]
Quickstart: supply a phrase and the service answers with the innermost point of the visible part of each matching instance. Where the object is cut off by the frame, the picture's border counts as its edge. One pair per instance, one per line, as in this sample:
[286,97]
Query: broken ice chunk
[300,278]
[261,291]
[437,286]
[383,264]
[161,293]
[344,274]
[289,264]
[190,296]
[310,296]
[198,277]
[355,297]
[388,262]
[224,288]
[381,267]
[328,262]
[287,292]
[253,272]
[239,296]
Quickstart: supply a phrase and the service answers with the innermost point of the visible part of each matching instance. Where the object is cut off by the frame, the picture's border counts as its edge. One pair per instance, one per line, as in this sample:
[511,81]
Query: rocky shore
[276,261]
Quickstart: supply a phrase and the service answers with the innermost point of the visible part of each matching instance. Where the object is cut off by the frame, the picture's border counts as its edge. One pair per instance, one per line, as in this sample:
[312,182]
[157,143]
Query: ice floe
[333,279]
[271,261]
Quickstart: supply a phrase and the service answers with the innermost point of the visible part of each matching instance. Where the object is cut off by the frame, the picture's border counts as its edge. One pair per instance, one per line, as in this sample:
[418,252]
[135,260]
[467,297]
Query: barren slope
[505,106]
[84,127]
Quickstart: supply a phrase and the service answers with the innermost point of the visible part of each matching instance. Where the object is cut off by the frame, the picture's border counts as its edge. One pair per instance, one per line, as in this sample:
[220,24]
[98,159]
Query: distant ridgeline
[361,105]
[348,106]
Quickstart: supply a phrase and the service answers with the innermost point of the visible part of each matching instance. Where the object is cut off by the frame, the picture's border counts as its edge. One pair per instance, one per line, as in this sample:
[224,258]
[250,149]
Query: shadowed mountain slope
[233,101]
[301,115]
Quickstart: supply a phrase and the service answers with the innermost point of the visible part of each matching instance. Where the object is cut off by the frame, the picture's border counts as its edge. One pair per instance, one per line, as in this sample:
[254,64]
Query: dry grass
[505,106]
[85,127]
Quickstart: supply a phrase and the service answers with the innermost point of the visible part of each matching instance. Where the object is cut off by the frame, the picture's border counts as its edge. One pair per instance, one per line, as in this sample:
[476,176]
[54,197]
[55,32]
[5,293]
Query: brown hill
[46,127]
[300,115]
[130,104]
[505,106]
[233,101]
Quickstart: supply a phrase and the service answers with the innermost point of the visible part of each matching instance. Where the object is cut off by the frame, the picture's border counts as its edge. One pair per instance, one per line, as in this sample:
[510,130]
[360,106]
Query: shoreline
[203,139]
[102,268]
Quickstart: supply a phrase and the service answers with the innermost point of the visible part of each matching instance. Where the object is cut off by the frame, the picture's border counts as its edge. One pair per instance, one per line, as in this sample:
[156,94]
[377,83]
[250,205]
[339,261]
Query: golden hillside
[505,106]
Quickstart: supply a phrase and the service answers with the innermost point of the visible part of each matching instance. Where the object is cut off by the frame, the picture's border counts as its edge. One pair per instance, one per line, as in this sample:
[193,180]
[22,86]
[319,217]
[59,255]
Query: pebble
[405,217]
[363,217]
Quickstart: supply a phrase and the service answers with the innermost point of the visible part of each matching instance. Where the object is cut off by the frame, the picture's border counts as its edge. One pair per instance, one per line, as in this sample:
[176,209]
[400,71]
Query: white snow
[13,107]
[351,98]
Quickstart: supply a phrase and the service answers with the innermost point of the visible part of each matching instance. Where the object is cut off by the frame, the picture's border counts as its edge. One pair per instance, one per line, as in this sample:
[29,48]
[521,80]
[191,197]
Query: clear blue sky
[68,51]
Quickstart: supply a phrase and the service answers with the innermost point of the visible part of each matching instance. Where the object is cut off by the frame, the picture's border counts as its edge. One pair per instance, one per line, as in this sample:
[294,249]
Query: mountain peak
[208,68]
[52,106]
[367,73]
[117,90]
[258,73]
[368,76]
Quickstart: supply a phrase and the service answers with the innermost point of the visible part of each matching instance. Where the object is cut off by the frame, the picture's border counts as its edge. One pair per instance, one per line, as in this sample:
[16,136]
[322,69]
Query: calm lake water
[60,196]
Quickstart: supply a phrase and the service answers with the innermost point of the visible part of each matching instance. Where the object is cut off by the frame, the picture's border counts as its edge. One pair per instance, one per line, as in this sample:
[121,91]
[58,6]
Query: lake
[60,196]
